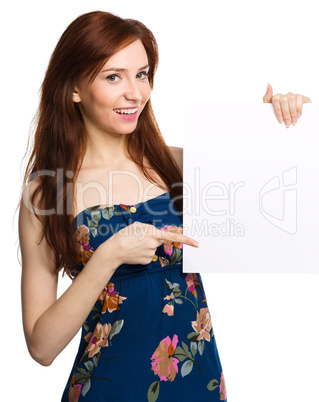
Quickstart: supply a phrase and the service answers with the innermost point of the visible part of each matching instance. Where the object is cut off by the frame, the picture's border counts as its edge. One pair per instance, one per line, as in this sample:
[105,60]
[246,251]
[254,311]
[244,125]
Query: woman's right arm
[50,324]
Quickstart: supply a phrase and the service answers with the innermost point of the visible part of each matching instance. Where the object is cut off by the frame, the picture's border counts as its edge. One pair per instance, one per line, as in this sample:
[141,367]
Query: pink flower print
[97,339]
[82,244]
[110,298]
[169,309]
[192,281]
[86,245]
[203,324]
[222,388]
[168,245]
[163,363]
[74,390]
[111,289]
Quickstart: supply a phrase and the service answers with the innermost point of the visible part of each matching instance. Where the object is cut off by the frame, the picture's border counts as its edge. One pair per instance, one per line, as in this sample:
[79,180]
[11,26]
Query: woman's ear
[76,95]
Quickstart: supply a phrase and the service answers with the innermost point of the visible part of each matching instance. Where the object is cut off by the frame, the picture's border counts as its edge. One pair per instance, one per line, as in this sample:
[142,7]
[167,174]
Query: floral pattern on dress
[163,261]
[82,244]
[188,353]
[169,245]
[173,356]
[174,297]
[222,388]
[192,281]
[173,250]
[203,324]
[163,363]
[95,214]
[98,339]
[110,298]
[75,390]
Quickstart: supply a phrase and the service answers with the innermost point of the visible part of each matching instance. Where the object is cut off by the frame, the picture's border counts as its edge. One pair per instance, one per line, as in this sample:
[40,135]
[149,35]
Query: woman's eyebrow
[121,69]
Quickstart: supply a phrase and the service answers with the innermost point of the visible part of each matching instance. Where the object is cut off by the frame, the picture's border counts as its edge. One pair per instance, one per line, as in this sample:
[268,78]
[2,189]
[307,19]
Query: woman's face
[118,94]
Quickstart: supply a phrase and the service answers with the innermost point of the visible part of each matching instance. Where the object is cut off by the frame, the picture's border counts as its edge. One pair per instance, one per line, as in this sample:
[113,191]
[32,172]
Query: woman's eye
[143,75]
[112,78]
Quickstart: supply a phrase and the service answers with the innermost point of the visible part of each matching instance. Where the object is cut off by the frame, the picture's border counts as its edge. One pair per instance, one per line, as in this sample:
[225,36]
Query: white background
[210,51]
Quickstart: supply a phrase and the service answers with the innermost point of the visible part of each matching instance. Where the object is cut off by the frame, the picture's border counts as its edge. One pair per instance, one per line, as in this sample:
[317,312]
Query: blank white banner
[251,190]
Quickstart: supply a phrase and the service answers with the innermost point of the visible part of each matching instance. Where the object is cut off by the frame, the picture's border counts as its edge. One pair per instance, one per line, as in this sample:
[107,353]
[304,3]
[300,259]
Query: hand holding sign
[287,107]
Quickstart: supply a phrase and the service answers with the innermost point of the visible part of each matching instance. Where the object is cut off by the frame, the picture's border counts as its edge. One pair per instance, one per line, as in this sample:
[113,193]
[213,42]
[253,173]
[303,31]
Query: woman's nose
[133,91]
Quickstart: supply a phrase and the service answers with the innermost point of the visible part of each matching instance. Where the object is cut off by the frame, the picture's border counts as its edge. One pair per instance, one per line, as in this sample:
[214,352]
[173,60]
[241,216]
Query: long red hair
[60,135]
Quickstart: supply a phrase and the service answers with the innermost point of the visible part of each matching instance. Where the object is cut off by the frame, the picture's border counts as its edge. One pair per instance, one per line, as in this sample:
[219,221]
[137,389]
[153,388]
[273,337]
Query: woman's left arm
[288,108]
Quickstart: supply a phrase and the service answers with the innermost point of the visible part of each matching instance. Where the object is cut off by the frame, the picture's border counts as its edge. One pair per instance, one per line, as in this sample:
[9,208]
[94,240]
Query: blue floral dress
[149,336]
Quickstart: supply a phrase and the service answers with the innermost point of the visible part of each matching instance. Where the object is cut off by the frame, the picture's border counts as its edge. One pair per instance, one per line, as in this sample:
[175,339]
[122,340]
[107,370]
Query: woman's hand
[137,243]
[288,108]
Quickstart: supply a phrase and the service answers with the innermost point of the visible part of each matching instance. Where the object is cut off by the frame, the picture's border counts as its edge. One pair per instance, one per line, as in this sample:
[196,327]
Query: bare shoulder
[178,155]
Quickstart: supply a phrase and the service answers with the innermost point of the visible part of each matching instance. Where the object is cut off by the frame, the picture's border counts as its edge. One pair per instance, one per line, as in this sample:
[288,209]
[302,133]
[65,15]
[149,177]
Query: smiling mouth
[127,111]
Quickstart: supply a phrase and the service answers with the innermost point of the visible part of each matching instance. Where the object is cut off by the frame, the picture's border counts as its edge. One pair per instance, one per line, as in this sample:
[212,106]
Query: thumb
[268,94]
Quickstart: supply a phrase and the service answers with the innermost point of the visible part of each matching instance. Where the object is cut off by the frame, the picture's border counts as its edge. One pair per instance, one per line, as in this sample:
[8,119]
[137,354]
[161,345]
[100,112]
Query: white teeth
[126,111]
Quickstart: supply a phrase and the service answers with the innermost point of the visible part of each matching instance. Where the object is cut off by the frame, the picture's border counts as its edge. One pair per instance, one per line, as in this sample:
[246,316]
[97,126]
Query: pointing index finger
[176,237]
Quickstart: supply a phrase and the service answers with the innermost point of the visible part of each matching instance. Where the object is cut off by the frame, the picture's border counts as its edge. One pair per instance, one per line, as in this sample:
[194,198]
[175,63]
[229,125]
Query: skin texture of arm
[50,324]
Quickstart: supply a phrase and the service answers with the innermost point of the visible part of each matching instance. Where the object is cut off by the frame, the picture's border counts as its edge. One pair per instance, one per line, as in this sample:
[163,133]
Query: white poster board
[251,190]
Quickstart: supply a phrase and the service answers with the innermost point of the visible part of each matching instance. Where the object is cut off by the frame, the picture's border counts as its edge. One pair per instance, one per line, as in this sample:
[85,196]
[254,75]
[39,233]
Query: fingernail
[298,114]
[287,122]
[280,119]
[294,120]
[195,244]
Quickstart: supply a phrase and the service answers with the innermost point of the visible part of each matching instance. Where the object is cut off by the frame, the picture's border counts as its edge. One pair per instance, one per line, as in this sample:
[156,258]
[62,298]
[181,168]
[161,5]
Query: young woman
[103,203]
